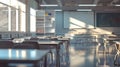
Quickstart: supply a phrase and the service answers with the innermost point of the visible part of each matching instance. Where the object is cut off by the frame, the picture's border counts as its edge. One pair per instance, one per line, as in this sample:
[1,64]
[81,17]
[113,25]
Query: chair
[26,45]
[116,58]
[34,38]
[6,44]
[50,54]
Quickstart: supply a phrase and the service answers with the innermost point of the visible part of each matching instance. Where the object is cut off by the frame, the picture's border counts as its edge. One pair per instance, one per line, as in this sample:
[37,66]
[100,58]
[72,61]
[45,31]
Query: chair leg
[116,60]
[45,61]
[51,56]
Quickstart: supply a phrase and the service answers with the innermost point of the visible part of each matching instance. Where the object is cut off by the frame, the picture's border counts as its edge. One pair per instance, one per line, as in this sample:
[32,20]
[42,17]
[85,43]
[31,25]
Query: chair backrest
[44,47]
[117,46]
[34,38]
[26,45]
[6,44]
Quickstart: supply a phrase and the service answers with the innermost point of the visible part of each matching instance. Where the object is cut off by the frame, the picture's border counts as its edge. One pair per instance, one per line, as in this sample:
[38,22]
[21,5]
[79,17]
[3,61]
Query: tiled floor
[87,56]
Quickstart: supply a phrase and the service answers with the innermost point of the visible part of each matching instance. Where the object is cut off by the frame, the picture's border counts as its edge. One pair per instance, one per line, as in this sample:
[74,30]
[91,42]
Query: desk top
[49,42]
[64,39]
[20,54]
[114,39]
[44,41]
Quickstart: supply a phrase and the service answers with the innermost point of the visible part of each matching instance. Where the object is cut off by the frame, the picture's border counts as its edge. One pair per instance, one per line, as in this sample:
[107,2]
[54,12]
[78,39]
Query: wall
[61,21]
[63,24]
[59,24]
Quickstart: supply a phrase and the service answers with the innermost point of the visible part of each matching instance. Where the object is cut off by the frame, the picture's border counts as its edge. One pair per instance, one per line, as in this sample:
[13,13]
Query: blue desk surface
[20,54]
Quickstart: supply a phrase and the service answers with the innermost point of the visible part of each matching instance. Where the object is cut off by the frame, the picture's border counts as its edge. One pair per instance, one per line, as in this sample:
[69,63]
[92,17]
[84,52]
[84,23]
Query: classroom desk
[67,44]
[65,41]
[22,56]
[113,39]
[50,44]
[55,44]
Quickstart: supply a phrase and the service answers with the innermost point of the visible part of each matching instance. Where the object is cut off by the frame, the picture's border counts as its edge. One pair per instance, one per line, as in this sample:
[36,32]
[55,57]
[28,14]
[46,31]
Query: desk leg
[35,65]
[67,47]
[2,64]
[58,56]
[45,61]
[67,53]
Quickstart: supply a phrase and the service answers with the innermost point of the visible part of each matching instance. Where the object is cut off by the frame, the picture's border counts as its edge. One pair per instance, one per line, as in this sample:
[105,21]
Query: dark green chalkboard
[108,19]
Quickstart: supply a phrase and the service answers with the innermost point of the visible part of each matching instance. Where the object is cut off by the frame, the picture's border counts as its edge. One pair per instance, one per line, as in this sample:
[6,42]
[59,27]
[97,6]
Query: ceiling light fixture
[117,5]
[84,10]
[58,10]
[87,5]
[48,5]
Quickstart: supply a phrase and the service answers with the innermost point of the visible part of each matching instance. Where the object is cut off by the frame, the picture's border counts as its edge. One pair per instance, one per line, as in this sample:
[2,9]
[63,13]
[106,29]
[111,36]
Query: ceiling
[72,5]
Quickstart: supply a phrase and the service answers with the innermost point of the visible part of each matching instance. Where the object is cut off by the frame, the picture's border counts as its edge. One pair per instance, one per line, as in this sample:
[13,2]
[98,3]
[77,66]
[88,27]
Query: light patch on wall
[90,26]
[78,20]
[74,23]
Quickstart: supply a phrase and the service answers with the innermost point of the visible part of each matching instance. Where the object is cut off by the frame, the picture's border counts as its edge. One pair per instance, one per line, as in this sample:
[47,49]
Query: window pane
[3,18]
[13,19]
